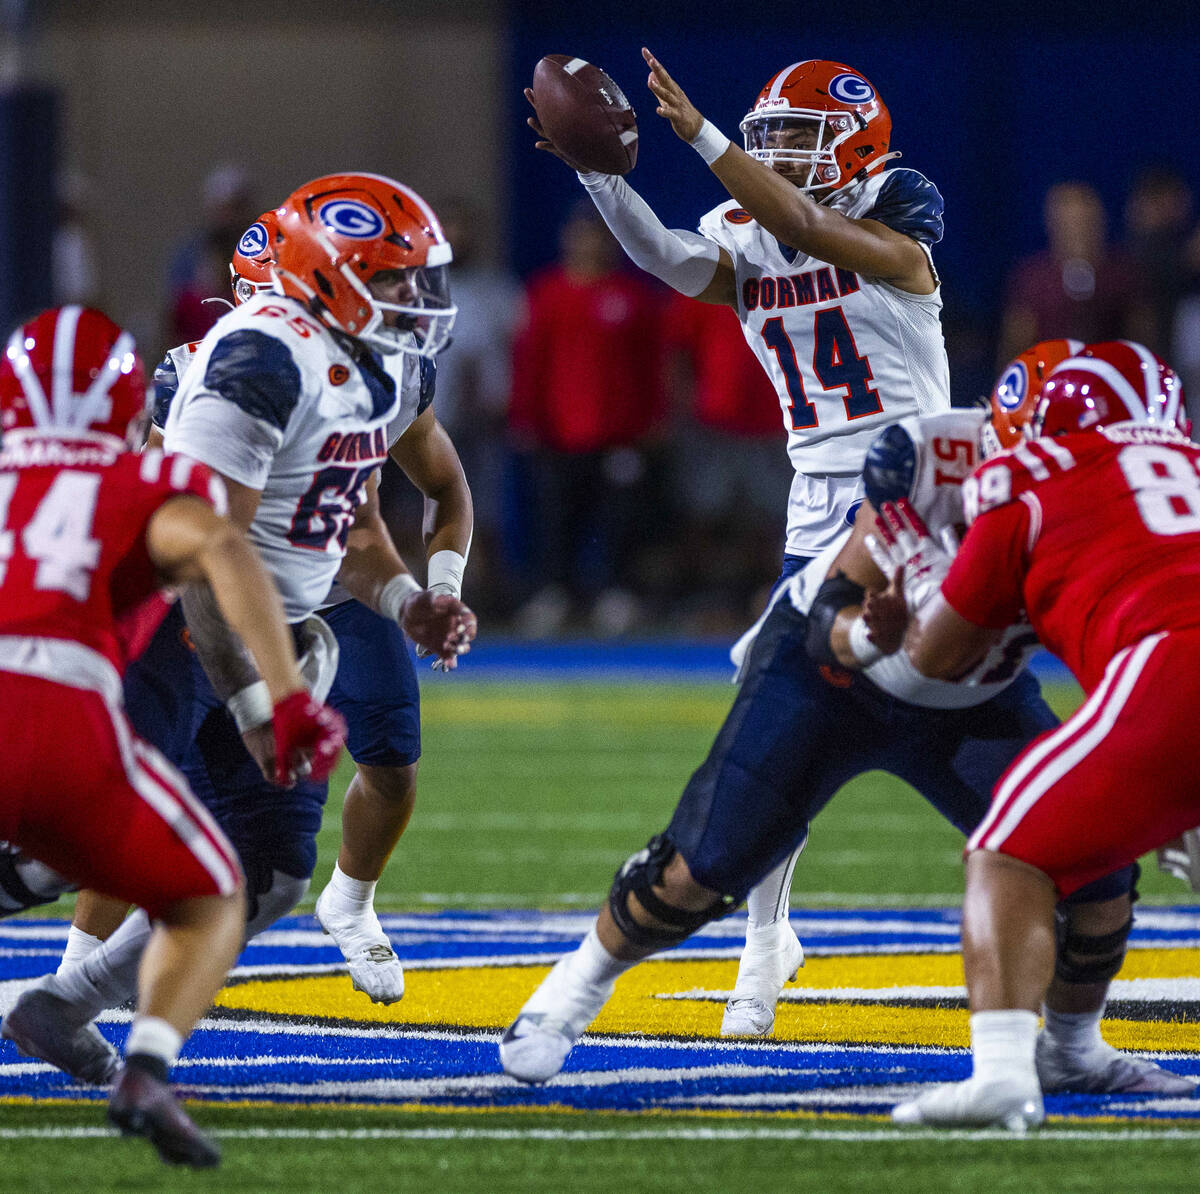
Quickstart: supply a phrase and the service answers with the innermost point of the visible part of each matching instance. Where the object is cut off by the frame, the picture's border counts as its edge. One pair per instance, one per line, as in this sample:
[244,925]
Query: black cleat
[141,1105]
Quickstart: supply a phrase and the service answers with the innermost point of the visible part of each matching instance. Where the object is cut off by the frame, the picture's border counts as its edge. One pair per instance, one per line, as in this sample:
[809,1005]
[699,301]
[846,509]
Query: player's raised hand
[543,142]
[673,104]
[440,624]
[308,738]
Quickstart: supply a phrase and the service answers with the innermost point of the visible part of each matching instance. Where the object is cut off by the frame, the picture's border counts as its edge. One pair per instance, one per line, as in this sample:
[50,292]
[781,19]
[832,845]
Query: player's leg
[1081,802]
[779,756]
[376,691]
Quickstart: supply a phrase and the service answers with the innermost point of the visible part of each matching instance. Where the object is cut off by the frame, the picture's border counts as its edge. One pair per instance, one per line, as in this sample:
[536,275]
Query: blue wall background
[993,106]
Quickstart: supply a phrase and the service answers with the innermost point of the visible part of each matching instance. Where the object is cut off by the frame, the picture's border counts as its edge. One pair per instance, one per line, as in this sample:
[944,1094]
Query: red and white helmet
[1113,381]
[72,371]
[337,233]
[250,269]
[822,122]
[1018,391]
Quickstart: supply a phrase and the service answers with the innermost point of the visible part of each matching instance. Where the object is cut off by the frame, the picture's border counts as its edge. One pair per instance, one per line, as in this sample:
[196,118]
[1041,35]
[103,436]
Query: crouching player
[803,724]
[91,531]
[1092,528]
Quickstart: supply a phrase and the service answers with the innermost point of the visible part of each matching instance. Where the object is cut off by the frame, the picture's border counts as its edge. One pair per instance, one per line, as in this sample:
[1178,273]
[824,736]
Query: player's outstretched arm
[863,246]
[188,542]
[685,261]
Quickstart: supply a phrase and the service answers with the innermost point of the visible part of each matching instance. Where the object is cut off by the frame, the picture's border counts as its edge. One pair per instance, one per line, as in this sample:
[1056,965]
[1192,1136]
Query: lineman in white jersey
[803,724]
[287,400]
[826,258]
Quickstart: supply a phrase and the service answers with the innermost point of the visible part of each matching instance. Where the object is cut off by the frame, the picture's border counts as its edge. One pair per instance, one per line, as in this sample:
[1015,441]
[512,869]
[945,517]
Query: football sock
[79,945]
[152,1040]
[1074,1033]
[354,896]
[768,900]
[595,965]
[1003,1042]
[107,977]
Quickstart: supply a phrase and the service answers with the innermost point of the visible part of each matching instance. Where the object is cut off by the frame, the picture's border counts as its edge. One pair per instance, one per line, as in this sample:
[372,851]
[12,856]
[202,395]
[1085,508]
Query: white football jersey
[274,401]
[945,451]
[847,354]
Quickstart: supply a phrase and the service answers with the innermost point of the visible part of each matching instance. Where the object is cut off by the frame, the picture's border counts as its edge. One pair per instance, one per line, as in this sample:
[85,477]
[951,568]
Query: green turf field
[530,796]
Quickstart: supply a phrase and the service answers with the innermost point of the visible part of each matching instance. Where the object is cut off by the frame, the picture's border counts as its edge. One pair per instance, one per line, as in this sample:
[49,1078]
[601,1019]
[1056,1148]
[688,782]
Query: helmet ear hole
[322,283]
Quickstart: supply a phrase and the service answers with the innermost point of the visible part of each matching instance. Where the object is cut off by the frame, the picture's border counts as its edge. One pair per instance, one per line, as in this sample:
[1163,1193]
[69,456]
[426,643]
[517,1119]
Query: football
[585,114]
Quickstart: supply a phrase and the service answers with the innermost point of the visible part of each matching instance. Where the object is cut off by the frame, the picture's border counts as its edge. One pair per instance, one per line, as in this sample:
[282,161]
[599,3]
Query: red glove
[308,738]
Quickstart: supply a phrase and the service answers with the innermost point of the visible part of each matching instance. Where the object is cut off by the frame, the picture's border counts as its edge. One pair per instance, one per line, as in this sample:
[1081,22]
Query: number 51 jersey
[847,353]
[274,401]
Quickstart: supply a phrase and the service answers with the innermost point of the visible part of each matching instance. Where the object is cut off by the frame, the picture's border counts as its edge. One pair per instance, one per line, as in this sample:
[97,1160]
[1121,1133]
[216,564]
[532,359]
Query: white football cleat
[772,956]
[41,1026]
[374,968]
[1105,1070]
[556,1015]
[1013,1103]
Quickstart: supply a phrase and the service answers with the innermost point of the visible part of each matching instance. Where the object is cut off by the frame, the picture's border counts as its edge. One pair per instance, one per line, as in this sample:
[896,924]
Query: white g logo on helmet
[349,217]
[1012,387]
[254,241]
[851,89]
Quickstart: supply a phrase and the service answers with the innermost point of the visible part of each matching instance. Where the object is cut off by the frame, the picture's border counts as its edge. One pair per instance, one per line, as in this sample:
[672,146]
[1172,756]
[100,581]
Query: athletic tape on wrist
[251,707]
[446,570]
[710,142]
[861,647]
[395,593]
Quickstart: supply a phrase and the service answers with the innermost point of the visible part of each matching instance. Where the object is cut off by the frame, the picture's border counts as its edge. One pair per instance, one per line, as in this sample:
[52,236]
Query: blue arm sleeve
[910,204]
[166,384]
[890,467]
[428,383]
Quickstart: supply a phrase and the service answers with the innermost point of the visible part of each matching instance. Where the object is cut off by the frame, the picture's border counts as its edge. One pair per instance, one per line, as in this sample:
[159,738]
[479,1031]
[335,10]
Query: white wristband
[710,142]
[446,570]
[251,707]
[395,593]
[861,647]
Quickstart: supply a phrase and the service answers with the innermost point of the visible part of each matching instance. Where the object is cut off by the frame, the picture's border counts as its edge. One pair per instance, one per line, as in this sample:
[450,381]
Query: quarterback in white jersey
[805,722]
[826,260]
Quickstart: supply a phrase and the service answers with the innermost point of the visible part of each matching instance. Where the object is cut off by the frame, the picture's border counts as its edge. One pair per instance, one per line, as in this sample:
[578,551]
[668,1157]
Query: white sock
[1074,1033]
[79,945]
[768,900]
[1003,1043]
[595,965]
[354,896]
[155,1037]
[107,977]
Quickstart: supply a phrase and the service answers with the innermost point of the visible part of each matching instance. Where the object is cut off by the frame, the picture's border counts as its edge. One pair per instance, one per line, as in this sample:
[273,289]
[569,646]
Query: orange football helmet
[822,119]
[250,269]
[1016,395]
[335,234]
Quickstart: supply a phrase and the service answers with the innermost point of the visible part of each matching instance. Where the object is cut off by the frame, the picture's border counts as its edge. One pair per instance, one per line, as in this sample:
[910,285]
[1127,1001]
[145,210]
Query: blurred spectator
[76,277]
[199,268]
[1079,286]
[586,396]
[1185,338]
[730,469]
[1158,220]
[473,378]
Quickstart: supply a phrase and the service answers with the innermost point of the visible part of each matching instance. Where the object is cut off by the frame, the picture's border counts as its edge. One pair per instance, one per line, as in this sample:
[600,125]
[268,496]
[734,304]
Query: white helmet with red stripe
[73,371]
[1112,381]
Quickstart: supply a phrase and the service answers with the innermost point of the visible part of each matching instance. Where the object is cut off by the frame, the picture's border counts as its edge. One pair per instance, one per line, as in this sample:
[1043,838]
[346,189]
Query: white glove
[904,541]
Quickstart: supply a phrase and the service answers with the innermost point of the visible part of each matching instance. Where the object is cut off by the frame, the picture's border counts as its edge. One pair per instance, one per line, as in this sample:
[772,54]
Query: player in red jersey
[89,532]
[1093,528]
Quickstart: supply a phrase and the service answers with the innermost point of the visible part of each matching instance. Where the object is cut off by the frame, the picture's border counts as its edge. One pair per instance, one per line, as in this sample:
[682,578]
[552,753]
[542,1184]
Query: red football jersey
[1096,536]
[73,515]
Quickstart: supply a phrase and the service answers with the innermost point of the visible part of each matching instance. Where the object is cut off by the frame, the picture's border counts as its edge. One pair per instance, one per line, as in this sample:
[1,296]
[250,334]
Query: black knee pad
[27,883]
[1086,957]
[638,877]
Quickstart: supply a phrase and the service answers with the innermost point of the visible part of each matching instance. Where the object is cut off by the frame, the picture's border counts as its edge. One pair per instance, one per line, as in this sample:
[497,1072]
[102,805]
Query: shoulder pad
[1006,477]
[910,204]
[428,383]
[257,373]
[890,466]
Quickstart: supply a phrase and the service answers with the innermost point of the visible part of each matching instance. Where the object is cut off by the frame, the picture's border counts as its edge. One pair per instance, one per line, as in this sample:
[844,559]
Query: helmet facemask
[803,140]
[423,317]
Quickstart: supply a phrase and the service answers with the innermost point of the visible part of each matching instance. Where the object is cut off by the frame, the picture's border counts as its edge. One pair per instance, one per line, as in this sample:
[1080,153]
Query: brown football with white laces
[585,114]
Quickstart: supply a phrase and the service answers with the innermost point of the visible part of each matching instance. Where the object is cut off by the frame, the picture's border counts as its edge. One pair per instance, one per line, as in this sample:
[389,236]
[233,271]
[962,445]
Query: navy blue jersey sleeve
[890,467]
[257,374]
[910,204]
[166,385]
[428,383]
